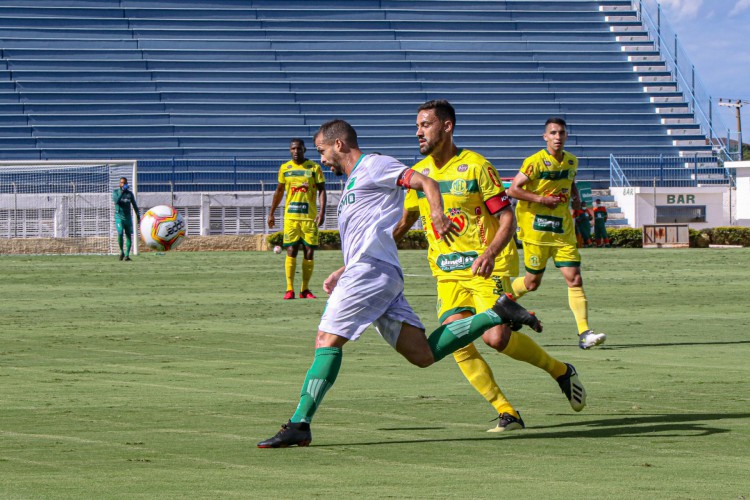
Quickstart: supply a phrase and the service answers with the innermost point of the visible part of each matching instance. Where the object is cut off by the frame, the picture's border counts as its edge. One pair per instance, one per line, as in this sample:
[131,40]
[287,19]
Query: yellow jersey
[537,223]
[301,188]
[472,192]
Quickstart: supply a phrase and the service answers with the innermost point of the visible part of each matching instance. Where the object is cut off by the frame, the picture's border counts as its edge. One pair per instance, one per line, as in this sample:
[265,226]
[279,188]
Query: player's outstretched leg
[291,434]
[514,314]
[573,389]
[319,379]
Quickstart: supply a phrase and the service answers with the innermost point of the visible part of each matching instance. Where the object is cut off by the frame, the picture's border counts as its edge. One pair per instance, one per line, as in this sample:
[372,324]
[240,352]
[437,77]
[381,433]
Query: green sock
[320,377]
[119,242]
[448,338]
[128,243]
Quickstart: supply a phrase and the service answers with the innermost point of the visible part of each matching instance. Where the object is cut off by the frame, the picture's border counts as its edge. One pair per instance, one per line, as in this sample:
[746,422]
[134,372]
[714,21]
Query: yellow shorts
[300,231]
[472,295]
[535,257]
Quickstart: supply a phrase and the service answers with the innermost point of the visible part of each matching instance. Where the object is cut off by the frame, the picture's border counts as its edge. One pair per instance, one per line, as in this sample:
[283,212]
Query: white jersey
[370,208]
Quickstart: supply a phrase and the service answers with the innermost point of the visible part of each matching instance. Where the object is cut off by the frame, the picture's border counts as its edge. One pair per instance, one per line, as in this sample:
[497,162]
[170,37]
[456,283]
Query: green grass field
[156,379]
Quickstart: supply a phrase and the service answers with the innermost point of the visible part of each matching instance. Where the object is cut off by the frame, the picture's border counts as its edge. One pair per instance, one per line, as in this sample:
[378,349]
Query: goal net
[61,207]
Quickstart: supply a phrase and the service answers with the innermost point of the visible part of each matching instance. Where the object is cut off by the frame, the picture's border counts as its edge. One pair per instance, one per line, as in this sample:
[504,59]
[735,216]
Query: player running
[303,182]
[544,186]
[477,267]
[369,288]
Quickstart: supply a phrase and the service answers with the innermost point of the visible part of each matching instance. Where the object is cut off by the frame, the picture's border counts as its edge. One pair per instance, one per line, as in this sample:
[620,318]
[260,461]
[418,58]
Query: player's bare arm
[485,263]
[516,191]
[277,196]
[322,198]
[575,197]
[440,222]
[407,221]
[330,283]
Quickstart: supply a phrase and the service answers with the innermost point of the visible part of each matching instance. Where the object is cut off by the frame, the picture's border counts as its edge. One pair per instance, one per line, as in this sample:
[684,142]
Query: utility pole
[737,105]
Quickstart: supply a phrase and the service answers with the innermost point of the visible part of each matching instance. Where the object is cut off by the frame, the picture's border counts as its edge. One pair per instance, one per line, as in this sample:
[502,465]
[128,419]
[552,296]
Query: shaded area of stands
[169,79]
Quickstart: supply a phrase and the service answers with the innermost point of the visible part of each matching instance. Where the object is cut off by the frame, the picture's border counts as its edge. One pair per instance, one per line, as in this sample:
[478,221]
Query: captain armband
[497,202]
[405,180]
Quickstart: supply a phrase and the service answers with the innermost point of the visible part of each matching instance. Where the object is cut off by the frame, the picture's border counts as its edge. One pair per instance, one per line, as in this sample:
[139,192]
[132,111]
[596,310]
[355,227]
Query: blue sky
[714,35]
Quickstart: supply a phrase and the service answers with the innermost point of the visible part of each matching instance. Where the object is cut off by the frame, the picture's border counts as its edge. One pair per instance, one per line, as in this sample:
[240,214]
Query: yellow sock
[307,270]
[519,287]
[478,373]
[580,307]
[521,347]
[290,266]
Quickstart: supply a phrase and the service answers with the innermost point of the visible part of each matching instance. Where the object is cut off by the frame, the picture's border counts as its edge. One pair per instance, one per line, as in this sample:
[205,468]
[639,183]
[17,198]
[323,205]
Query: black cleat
[122,256]
[515,315]
[127,258]
[291,434]
[571,386]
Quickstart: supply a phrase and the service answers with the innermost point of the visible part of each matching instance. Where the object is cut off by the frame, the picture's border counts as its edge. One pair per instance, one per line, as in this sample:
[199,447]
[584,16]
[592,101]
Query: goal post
[62,207]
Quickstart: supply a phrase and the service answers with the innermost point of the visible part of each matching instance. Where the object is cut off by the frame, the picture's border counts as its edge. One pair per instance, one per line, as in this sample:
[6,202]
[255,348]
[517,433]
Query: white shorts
[369,292]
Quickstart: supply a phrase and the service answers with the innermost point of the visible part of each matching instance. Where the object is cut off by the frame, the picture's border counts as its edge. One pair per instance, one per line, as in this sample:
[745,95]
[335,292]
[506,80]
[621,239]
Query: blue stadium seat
[235,79]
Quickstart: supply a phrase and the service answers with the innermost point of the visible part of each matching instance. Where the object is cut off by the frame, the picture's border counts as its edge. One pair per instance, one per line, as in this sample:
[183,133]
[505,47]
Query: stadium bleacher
[198,79]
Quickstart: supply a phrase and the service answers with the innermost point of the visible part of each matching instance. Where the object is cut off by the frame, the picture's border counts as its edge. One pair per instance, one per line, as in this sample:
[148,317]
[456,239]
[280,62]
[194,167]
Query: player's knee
[532,285]
[421,359]
[497,337]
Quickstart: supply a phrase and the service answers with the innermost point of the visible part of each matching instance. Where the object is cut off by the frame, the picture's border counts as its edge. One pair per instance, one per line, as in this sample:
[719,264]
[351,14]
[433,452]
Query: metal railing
[705,110]
[616,176]
[667,171]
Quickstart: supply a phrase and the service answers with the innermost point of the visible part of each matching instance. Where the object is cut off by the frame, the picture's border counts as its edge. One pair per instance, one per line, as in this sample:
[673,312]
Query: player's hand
[332,280]
[446,228]
[551,201]
[319,220]
[271,221]
[483,265]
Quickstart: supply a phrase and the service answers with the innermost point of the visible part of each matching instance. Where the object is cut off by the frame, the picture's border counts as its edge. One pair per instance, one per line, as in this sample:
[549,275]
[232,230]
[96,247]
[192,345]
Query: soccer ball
[162,228]
[277,249]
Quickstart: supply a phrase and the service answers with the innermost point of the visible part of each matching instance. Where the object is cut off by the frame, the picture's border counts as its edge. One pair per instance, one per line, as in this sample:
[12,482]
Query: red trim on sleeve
[497,202]
[405,179]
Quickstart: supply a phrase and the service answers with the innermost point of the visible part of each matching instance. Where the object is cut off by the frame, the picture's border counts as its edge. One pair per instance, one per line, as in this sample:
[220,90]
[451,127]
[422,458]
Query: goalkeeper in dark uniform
[124,199]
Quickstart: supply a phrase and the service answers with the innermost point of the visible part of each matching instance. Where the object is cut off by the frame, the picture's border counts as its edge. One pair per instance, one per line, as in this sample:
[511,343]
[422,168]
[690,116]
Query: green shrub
[626,237]
[731,236]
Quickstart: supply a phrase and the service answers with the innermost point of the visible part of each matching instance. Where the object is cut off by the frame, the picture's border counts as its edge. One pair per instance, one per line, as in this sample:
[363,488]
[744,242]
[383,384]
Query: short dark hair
[598,200]
[338,129]
[124,179]
[443,110]
[557,121]
[297,139]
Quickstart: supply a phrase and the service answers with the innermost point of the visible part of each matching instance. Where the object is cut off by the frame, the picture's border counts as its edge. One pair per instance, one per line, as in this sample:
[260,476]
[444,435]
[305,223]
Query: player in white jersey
[368,289]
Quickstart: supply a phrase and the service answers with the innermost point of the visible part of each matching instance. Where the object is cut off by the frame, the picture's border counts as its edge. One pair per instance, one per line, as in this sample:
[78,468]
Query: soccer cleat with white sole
[573,389]
[508,422]
[589,339]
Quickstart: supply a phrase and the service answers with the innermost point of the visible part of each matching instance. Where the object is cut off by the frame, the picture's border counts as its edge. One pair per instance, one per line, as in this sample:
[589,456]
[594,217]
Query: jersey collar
[357,164]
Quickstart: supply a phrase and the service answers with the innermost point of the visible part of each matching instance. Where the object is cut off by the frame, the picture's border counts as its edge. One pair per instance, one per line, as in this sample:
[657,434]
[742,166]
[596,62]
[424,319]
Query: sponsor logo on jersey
[350,184]
[426,171]
[289,166]
[458,187]
[463,167]
[455,261]
[346,199]
[548,224]
[494,176]
[548,163]
[303,188]
[296,207]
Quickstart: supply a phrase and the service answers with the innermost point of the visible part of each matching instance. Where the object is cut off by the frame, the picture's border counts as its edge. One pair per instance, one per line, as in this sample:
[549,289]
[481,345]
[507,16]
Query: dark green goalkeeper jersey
[124,200]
